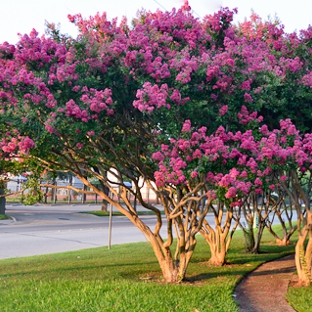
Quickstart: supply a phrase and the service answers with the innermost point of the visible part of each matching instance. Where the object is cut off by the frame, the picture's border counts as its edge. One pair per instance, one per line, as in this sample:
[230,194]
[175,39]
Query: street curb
[7,221]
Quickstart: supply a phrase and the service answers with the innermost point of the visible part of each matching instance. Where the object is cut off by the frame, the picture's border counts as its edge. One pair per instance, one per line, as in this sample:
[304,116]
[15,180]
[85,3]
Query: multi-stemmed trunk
[303,250]
[253,232]
[173,268]
[284,215]
[258,213]
[303,255]
[219,237]
[183,217]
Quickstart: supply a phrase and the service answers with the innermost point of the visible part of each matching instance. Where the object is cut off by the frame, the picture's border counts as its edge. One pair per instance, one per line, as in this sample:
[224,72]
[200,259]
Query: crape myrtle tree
[286,151]
[279,207]
[260,211]
[295,151]
[13,154]
[107,100]
[76,100]
[298,187]
[285,90]
[231,169]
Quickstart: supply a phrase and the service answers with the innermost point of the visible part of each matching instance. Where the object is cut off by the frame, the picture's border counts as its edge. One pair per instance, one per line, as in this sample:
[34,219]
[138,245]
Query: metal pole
[110,224]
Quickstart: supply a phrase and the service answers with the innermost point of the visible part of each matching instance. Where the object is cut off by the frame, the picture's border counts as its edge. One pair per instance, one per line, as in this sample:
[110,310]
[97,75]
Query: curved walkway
[265,288]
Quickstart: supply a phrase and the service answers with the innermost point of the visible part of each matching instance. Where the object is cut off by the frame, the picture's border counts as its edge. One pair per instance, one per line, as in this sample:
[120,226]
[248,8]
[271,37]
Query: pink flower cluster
[216,21]
[235,162]
[14,145]
[151,97]
[245,117]
[168,56]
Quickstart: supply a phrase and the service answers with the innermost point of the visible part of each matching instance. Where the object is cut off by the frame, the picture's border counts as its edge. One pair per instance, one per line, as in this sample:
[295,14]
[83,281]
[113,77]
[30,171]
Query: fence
[62,195]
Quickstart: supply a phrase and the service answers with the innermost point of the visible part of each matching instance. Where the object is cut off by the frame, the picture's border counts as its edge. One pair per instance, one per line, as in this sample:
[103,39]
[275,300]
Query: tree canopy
[115,99]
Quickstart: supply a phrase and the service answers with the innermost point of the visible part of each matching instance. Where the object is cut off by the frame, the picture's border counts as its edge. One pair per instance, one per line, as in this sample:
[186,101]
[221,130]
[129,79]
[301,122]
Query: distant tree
[110,100]
[13,156]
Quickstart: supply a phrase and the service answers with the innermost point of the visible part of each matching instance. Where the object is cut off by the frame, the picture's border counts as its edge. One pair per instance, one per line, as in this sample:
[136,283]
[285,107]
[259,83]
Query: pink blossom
[264,129]
[252,164]
[211,194]
[258,182]
[245,85]
[176,96]
[151,97]
[244,174]
[223,110]
[225,180]
[231,193]
[186,126]
[194,174]
[234,173]
[283,178]
[159,178]
[248,98]
[158,156]
[197,154]
[236,203]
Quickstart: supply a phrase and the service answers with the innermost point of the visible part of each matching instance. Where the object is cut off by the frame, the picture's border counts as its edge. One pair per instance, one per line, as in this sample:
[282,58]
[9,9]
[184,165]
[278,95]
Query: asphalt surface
[43,229]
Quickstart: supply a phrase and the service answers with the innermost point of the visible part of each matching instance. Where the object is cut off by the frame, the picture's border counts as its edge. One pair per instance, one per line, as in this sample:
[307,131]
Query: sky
[21,16]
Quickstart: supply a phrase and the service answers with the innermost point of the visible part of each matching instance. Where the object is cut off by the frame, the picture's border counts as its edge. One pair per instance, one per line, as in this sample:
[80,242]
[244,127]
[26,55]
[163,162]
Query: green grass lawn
[125,278]
[4,217]
[300,298]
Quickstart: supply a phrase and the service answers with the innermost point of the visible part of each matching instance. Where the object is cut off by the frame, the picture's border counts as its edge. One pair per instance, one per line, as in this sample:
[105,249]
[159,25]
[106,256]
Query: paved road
[48,229]
[43,229]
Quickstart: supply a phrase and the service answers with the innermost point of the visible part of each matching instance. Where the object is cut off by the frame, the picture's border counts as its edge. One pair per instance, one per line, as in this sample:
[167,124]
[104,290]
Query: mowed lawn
[126,278]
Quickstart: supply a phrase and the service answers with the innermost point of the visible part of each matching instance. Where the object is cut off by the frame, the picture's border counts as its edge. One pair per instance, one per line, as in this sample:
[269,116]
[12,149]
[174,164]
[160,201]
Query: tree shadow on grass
[231,268]
[63,270]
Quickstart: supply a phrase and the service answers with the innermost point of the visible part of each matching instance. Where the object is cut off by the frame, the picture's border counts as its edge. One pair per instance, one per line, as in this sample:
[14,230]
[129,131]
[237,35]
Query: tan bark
[219,238]
[308,255]
[282,242]
[183,213]
[182,206]
[303,257]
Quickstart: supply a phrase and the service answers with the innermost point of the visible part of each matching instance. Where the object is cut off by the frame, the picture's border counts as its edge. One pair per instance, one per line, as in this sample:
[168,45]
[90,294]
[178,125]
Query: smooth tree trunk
[162,252]
[258,235]
[173,270]
[259,213]
[186,244]
[303,255]
[220,237]
[248,232]
[70,183]
[285,241]
[287,228]
[182,216]
[303,250]
[253,232]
